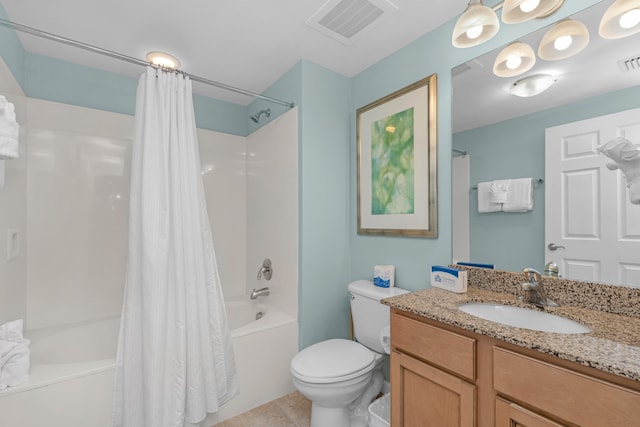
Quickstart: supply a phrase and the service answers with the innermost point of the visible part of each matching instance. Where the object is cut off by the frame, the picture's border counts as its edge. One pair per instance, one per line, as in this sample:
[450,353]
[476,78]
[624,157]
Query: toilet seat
[332,361]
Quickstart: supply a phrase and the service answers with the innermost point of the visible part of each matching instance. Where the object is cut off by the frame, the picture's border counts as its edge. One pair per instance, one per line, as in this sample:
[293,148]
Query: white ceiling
[243,43]
[481,98]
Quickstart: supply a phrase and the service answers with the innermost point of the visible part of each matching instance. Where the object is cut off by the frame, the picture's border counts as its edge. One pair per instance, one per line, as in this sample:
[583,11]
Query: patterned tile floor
[292,410]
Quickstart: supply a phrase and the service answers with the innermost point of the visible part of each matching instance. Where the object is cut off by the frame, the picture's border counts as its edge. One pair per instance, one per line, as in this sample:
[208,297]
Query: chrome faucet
[266,269]
[255,293]
[534,290]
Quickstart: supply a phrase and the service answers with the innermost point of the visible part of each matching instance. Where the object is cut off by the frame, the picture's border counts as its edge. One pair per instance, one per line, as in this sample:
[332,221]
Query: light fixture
[514,60]
[476,25]
[564,40]
[164,60]
[516,11]
[621,19]
[532,85]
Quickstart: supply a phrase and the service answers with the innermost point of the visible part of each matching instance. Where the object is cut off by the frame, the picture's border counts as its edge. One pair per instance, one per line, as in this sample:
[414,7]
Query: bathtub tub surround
[72,296]
[75,363]
[175,360]
[342,377]
[14,355]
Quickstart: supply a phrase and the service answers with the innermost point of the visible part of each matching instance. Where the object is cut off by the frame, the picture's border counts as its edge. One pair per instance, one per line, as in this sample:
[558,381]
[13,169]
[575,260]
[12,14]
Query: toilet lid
[331,359]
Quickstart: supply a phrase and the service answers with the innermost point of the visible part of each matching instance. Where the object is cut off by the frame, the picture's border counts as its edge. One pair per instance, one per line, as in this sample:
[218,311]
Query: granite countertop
[612,346]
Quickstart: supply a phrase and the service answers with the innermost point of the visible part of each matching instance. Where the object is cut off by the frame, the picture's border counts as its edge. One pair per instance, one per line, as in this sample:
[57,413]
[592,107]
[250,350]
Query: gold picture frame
[397,163]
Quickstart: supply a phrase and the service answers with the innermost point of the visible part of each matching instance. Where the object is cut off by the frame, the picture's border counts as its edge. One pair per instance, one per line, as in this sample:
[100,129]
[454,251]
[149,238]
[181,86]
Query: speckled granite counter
[613,345]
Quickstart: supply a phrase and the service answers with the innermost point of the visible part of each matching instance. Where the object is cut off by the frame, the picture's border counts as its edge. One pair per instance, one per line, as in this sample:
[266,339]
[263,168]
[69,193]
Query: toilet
[342,377]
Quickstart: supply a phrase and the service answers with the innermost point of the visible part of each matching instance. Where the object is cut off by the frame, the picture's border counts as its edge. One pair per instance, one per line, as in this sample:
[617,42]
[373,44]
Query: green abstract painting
[392,164]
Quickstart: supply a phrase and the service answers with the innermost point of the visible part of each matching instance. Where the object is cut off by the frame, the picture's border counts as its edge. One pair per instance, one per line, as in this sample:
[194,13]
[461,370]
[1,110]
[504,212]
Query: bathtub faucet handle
[265,270]
[255,293]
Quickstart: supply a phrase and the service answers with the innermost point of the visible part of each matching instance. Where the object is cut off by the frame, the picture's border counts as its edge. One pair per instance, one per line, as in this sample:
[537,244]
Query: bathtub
[72,368]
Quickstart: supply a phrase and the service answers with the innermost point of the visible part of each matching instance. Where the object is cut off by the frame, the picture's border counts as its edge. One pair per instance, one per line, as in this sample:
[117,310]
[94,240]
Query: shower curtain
[175,360]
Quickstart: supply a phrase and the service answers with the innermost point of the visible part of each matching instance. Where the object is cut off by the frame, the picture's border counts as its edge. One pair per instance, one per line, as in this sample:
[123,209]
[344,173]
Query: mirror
[503,136]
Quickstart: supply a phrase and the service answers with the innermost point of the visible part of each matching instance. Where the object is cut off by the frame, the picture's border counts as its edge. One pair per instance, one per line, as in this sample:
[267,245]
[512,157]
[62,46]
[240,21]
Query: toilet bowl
[340,377]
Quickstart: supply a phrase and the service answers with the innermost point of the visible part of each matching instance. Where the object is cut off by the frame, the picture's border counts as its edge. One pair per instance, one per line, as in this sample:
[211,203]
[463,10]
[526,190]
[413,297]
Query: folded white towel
[9,130]
[484,203]
[14,355]
[520,196]
[499,191]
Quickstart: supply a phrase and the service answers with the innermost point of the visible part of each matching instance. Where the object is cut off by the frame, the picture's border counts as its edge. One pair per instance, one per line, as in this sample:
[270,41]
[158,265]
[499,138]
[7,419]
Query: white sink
[524,318]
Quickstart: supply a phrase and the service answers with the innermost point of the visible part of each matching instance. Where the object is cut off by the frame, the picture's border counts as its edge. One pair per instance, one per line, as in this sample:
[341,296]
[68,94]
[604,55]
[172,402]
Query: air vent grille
[348,20]
[630,64]
[466,66]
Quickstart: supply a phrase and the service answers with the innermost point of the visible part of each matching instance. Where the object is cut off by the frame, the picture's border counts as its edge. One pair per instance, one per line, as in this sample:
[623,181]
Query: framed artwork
[397,163]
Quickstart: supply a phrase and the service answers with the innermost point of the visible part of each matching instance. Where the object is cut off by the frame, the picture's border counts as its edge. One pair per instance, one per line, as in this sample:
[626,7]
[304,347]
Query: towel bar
[535,181]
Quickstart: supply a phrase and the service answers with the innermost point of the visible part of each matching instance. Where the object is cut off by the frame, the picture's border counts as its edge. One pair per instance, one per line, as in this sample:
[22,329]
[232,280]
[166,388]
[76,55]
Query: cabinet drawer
[569,395]
[448,350]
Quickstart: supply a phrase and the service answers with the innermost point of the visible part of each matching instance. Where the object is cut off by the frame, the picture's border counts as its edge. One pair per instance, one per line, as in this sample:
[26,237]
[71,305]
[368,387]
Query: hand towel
[499,191]
[14,355]
[520,197]
[9,130]
[484,204]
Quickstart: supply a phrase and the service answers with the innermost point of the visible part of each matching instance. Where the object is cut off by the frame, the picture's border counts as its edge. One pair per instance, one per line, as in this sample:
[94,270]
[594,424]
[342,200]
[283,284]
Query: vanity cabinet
[509,414]
[432,374]
[445,376]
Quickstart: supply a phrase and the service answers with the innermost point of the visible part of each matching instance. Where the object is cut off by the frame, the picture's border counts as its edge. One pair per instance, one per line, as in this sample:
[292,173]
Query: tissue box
[449,278]
[384,275]
[475,264]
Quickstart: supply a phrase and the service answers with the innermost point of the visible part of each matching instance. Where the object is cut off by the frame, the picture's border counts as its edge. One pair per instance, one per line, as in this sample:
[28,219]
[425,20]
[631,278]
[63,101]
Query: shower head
[256,117]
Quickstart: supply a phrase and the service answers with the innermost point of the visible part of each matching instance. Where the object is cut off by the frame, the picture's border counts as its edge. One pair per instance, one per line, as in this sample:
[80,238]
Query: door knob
[554,247]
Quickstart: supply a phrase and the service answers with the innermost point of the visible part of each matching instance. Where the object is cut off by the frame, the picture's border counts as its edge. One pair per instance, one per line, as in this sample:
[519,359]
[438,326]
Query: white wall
[13,209]
[272,209]
[71,208]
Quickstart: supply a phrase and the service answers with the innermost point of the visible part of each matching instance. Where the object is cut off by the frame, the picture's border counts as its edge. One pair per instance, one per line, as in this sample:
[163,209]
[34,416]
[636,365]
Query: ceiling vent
[629,64]
[465,66]
[348,20]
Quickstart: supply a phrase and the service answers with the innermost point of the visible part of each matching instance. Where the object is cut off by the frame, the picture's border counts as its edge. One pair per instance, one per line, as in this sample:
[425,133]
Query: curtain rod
[130,59]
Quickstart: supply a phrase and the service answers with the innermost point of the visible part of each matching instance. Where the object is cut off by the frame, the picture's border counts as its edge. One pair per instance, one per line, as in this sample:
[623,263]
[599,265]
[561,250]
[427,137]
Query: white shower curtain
[175,359]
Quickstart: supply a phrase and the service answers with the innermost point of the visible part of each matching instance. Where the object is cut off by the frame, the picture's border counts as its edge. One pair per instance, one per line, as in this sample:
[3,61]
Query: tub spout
[259,292]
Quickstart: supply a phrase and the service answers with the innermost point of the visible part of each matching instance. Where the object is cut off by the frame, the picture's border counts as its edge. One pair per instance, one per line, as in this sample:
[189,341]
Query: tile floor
[292,410]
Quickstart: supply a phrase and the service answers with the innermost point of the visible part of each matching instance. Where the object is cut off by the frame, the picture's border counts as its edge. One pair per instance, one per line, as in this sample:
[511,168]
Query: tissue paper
[383,275]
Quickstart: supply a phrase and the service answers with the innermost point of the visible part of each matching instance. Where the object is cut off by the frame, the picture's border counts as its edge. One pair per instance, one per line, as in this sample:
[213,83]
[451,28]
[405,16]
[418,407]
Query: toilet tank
[369,315]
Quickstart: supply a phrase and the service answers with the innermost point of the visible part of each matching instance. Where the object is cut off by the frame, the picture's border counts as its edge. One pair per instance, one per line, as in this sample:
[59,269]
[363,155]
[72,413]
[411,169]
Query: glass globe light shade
[564,40]
[532,85]
[476,25]
[506,64]
[515,11]
[621,19]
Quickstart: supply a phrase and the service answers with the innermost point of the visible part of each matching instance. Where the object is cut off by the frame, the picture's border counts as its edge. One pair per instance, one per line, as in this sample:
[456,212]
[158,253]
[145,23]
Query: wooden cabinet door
[511,415]
[424,396]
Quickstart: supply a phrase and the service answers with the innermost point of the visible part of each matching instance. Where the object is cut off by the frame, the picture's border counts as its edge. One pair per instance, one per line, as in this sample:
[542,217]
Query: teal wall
[331,252]
[11,50]
[515,149]
[432,53]
[323,97]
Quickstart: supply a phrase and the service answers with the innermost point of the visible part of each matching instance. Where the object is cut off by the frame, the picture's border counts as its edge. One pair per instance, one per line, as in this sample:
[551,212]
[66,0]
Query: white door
[588,215]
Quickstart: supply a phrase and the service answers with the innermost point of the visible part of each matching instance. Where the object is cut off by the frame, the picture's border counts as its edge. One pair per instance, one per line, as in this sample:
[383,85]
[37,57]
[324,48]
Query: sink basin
[524,318]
